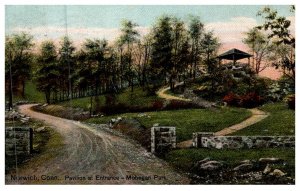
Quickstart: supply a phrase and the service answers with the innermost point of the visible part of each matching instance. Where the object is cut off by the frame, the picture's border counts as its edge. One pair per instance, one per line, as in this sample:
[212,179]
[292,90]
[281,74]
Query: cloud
[78,35]
[232,31]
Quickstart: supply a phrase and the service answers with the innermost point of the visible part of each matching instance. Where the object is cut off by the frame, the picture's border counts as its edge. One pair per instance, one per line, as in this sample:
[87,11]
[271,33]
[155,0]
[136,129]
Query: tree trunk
[23,89]
[91,107]
[47,95]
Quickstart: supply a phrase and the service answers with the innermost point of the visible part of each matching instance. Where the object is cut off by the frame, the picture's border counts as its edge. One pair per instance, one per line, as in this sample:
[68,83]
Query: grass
[184,159]
[187,121]
[280,122]
[31,94]
[46,145]
[136,98]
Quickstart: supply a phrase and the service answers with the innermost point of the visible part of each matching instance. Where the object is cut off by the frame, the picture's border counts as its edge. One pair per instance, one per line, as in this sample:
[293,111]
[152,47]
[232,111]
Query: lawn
[184,159]
[186,121]
[31,94]
[280,122]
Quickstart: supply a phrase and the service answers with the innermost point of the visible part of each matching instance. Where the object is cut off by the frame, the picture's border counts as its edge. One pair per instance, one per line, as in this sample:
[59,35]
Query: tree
[209,47]
[161,54]
[47,76]
[261,47]
[18,58]
[281,35]
[141,55]
[196,31]
[96,75]
[179,50]
[128,37]
[66,65]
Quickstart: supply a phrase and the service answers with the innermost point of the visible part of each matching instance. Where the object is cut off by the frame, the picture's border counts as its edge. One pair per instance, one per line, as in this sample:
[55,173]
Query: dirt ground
[94,156]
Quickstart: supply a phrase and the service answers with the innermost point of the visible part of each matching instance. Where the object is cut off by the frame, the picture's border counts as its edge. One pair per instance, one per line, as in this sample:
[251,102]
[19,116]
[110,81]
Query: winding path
[90,151]
[162,93]
[257,116]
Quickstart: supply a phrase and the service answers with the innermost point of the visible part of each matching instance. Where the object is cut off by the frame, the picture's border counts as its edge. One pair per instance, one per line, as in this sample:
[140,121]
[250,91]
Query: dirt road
[94,153]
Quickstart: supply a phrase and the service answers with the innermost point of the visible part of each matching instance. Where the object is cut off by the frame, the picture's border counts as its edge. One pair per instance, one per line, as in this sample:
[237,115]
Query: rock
[261,144]
[44,105]
[278,173]
[244,167]
[24,120]
[141,115]
[40,129]
[119,119]
[245,162]
[267,169]
[211,165]
[12,115]
[269,160]
[199,163]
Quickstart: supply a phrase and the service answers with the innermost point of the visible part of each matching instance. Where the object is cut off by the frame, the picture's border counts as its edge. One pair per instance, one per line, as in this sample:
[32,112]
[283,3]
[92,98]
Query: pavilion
[234,55]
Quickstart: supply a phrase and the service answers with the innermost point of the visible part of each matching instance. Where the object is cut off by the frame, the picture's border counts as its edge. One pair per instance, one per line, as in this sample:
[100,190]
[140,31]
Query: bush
[291,101]
[114,108]
[157,105]
[177,104]
[249,100]
[232,99]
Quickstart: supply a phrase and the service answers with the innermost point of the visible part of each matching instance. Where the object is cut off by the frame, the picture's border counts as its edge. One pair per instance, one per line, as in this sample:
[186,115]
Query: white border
[139,187]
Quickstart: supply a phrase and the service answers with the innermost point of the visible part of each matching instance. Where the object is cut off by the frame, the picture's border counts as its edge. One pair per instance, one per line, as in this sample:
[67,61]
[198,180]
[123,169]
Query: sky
[228,22]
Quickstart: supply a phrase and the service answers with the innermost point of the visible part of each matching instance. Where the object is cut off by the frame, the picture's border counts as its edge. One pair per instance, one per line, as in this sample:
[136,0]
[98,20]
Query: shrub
[157,105]
[291,101]
[232,99]
[114,108]
[178,104]
[251,100]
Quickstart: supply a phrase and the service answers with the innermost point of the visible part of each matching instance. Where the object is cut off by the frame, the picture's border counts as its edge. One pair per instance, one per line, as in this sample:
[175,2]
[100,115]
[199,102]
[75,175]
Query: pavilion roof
[234,54]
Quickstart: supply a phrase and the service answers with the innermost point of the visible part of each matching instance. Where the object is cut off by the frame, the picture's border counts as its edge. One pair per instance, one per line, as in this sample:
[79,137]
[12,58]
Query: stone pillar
[162,139]
[18,140]
[198,138]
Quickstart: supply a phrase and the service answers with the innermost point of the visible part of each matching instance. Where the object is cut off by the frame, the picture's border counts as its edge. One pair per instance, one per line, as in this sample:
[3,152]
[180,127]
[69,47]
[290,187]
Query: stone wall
[18,140]
[162,139]
[208,140]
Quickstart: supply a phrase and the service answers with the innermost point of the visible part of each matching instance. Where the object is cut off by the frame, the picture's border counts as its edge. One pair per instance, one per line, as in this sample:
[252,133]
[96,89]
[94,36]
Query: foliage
[157,105]
[277,90]
[47,75]
[261,47]
[248,100]
[161,53]
[178,104]
[18,58]
[196,32]
[232,99]
[66,62]
[251,100]
[291,101]
[281,34]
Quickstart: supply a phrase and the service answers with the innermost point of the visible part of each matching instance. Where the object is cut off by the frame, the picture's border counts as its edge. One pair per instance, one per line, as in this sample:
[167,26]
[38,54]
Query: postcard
[150,94]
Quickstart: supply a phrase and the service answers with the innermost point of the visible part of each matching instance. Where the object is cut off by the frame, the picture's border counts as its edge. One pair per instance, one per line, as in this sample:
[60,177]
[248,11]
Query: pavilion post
[233,60]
